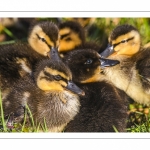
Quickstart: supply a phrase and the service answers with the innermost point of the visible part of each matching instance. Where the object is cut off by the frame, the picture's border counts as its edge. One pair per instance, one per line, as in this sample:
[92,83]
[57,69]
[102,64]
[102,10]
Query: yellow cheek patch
[38,30]
[128,48]
[127,36]
[38,45]
[64,31]
[69,45]
[48,40]
[47,85]
[65,46]
[96,77]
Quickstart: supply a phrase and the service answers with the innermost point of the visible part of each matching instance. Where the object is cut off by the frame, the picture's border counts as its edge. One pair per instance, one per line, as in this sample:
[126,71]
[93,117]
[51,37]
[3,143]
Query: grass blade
[2,114]
[31,117]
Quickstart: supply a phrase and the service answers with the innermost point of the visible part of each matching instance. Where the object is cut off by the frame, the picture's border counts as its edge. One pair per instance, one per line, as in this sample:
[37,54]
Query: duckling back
[16,63]
[103,109]
[143,67]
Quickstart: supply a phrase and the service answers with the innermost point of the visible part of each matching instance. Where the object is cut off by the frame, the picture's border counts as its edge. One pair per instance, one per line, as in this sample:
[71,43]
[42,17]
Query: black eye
[88,61]
[57,77]
[123,41]
[42,39]
[68,39]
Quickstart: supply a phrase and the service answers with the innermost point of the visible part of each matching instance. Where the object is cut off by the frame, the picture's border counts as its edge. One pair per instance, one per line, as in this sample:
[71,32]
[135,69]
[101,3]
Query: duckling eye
[123,41]
[68,39]
[42,39]
[88,61]
[57,77]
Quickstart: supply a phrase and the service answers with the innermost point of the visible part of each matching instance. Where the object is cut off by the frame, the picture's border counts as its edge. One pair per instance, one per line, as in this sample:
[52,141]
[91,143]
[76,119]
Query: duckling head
[43,36]
[86,65]
[71,35]
[124,40]
[55,76]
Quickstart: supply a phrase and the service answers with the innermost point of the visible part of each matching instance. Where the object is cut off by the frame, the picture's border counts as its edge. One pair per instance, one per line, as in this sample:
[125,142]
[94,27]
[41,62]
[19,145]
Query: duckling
[19,59]
[132,74]
[51,96]
[72,36]
[104,106]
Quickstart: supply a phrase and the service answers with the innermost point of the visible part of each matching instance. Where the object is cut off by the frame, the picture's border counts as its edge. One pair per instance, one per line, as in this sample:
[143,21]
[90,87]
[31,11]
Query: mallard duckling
[132,74]
[51,96]
[103,105]
[19,59]
[72,36]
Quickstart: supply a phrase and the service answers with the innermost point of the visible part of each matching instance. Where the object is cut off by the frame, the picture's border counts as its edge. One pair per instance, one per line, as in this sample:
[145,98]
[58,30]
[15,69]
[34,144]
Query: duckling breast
[58,109]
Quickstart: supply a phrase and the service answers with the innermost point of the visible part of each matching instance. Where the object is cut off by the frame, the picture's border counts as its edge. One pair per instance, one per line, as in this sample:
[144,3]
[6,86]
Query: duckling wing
[102,107]
[16,61]
[143,67]
[16,100]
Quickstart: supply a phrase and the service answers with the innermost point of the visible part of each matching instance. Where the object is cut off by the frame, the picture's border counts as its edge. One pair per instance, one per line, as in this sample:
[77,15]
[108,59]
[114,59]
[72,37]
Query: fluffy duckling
[72,36]
[132,74]
[51,96]
[104,106]
[19,59]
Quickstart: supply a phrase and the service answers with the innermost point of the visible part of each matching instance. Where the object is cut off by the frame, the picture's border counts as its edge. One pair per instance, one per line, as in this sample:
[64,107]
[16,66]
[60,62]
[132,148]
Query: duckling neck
[59,109]
[125,77]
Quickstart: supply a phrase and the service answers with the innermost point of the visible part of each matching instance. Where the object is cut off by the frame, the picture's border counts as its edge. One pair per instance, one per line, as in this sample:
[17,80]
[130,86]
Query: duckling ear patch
[133,34]
[35,40]
[69,40]
[47,85]
[64,31]
[130,47]
[96,76]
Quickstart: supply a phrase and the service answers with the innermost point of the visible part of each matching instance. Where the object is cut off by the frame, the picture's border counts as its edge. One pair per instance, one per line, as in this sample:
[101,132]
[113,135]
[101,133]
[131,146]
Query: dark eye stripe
[65,35]
[63,79]
[47,78]
[123,41]
[48,75]
[43,40]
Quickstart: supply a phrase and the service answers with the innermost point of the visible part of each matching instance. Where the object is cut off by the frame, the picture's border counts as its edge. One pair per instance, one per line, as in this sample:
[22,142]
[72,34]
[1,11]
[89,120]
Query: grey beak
[108,62]
[53,54]
[108,51]
[74,88]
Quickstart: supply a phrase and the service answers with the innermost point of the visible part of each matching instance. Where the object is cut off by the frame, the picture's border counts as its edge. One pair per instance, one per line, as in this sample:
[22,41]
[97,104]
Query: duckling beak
[108,51]
[53,54]
[108,62]
[74,88]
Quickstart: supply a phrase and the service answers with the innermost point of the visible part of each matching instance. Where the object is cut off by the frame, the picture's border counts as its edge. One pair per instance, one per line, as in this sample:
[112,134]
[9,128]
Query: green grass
[18,127]
[3,123]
